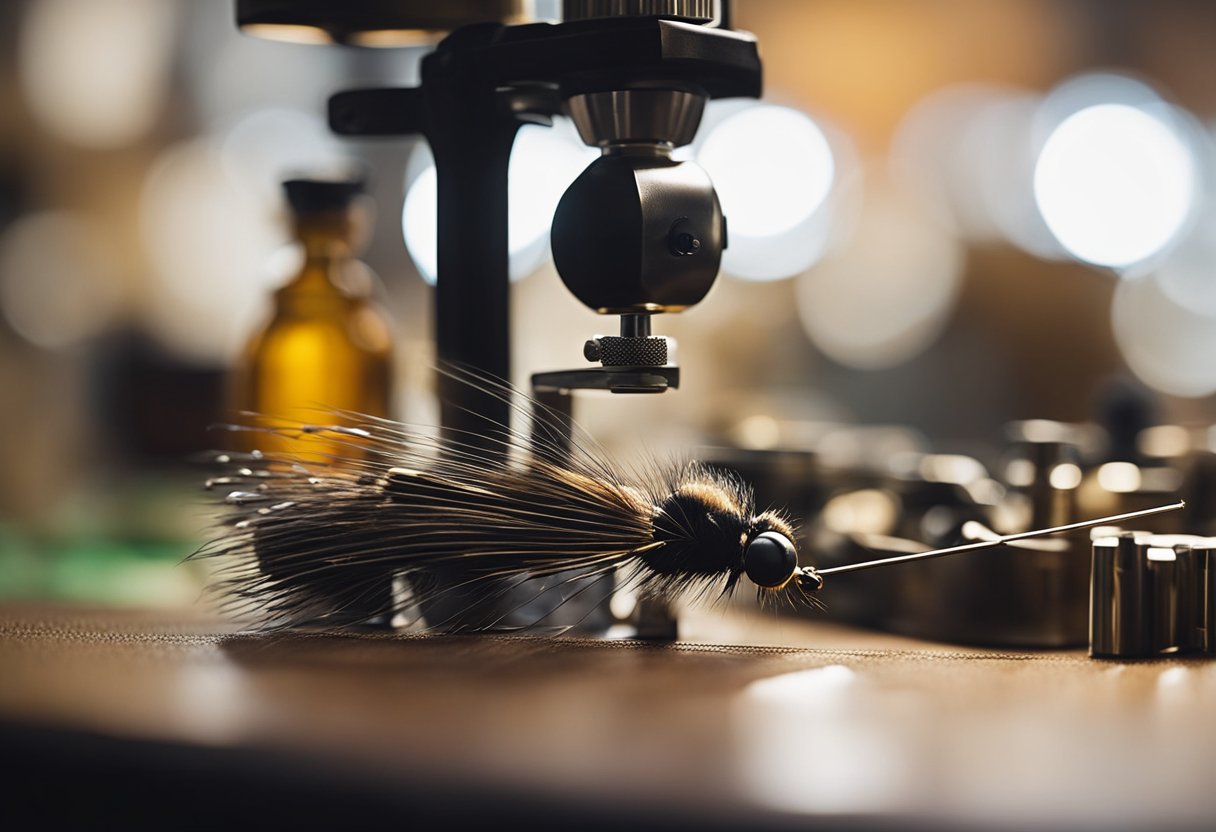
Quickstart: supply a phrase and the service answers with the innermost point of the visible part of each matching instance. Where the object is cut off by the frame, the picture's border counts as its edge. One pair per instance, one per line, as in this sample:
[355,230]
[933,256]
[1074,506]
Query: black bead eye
[770,559]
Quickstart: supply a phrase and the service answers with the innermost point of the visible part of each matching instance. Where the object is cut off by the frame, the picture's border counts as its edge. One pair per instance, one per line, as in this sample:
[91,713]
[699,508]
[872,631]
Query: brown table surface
[747,722]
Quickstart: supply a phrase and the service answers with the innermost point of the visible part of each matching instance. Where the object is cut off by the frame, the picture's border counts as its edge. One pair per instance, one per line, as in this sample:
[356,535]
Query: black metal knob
[617,351]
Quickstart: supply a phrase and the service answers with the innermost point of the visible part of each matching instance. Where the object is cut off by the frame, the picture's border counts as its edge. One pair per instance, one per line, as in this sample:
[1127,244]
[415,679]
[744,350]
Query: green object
[103,571]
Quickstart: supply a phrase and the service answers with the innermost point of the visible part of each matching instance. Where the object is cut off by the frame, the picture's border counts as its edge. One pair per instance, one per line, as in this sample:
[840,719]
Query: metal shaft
[990,544]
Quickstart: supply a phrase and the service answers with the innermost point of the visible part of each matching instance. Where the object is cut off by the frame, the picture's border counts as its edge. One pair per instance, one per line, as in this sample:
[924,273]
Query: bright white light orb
[775,172]
[544,161]
[1115,184]
[772,167]
[420,225]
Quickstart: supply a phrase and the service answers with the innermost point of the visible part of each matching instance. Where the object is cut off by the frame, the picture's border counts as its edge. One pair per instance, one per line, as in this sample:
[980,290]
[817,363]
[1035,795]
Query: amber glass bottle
[327,345]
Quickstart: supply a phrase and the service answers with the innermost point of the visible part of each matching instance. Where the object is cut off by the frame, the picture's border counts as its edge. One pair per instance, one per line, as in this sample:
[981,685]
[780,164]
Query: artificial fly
[403,522]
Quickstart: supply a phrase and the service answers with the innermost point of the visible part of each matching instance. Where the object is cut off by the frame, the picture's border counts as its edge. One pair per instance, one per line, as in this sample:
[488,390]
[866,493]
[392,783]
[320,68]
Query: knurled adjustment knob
[700,11]
[619,351]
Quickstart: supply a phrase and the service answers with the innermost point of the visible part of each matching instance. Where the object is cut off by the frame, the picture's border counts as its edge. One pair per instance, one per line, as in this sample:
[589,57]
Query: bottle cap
[314,196]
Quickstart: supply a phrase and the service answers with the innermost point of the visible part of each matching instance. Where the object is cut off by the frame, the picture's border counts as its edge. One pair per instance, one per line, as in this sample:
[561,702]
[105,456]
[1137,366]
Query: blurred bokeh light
[1169,346]
[773,169]
[59,280]
[96,72]
[889,292]
[268,145]
[968,152]
[544,161]
[1115,183]
[1188,275]
[207,237]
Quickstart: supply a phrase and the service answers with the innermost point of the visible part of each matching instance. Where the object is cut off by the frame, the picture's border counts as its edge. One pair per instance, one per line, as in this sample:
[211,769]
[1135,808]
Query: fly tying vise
[319,539]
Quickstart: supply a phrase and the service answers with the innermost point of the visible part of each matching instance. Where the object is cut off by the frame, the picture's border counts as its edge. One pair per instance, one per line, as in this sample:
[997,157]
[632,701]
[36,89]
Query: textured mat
[891,732]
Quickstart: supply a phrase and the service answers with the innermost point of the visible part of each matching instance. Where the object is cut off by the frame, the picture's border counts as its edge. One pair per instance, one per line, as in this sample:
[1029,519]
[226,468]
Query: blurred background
[946,217]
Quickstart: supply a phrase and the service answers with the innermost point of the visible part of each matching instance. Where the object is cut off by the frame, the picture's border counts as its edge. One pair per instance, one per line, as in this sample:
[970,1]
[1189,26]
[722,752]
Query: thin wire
[998,541]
